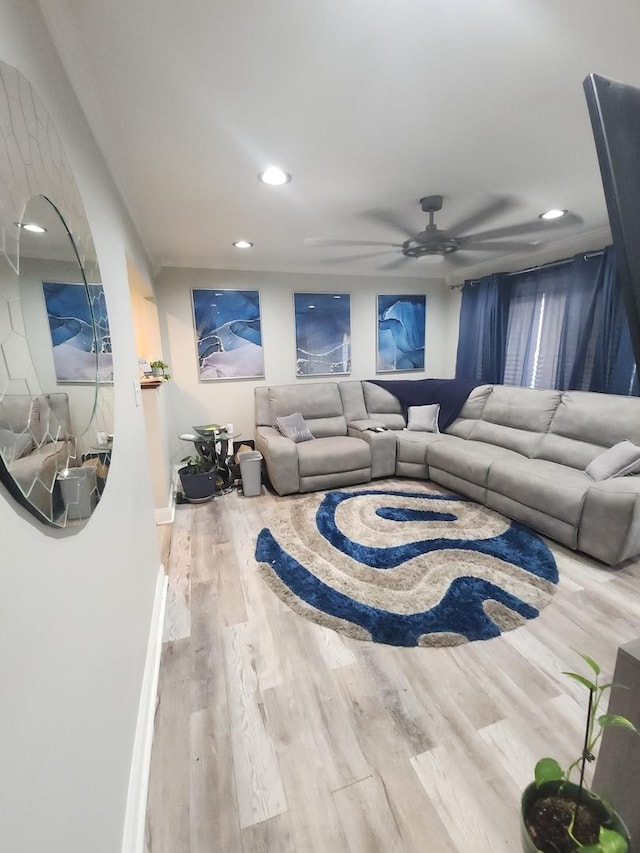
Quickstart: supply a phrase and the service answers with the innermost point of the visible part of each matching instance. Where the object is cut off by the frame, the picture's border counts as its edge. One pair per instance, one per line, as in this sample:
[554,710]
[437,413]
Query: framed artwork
[323,333]
[400,333]
[79,327]
[228,334]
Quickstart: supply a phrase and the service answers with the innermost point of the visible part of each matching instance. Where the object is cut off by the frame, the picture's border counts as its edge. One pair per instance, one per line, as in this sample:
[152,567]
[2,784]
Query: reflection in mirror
[56,411]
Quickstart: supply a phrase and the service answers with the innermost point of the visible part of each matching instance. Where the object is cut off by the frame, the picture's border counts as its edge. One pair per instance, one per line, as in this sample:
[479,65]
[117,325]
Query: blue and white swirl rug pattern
[405,567]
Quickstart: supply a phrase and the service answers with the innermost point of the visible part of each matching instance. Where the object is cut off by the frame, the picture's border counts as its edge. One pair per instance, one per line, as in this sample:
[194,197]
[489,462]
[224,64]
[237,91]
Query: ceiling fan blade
[389,219]
[471,244]
[347,258]
[398,262]
[456,260]
[493,208]
[533,227]
[320,241]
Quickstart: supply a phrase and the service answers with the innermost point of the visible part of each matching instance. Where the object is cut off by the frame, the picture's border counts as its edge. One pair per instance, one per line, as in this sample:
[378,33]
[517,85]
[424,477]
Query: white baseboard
[136,807]
[167,514]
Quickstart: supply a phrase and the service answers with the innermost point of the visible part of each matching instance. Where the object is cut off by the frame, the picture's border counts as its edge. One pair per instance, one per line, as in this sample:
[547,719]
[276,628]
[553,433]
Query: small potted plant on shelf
[561,816]
[160,368]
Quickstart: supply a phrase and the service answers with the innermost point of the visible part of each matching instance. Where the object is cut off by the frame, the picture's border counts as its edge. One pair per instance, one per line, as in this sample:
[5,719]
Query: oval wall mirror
[56,375]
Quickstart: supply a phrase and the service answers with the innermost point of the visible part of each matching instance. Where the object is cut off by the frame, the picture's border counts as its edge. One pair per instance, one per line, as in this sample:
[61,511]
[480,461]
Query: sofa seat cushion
[553,489]
[42,464]
[469,460]
[332,454]
[412,446]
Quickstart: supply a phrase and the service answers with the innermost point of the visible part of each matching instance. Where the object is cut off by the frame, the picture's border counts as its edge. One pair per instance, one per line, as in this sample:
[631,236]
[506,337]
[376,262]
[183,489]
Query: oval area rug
[405,567]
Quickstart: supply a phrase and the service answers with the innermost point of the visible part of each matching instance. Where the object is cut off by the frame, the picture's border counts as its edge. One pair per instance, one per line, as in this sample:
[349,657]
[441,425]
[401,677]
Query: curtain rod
[587,256]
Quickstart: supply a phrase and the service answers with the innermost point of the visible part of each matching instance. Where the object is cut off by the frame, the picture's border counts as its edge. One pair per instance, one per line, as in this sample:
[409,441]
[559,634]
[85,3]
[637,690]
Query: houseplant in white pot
[562,816]
[160,368]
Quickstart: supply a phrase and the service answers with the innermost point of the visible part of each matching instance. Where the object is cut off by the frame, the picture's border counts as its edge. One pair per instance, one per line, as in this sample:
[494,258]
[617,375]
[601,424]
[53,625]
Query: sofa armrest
[610,521]
[280,456]
[365,424]
[382,446]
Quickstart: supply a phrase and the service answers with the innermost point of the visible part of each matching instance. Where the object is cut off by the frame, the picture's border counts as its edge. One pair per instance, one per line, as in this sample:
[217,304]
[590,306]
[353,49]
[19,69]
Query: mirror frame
[33,163]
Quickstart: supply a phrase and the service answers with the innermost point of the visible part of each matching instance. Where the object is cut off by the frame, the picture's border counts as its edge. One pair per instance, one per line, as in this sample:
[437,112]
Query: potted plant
[198,477]
[160,368]
[561,816]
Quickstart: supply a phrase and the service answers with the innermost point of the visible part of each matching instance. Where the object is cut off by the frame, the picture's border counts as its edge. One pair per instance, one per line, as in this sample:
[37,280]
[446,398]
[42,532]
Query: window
[535,328]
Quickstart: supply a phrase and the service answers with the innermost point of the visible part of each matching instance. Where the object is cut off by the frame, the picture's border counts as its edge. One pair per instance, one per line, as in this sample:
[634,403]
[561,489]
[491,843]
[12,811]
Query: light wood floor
[274,734]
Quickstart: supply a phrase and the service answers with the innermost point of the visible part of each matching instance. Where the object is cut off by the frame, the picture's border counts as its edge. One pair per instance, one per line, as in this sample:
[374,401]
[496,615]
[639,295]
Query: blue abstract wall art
[80,336]
[401,333]
[323,333]
[228,334]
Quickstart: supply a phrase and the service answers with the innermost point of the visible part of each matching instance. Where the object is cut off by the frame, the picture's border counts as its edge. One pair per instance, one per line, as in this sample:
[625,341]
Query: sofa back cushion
[20,413]
[319,403]
[55,421]
[470,412]
[516,418]
[586,422]
[603,419]
[263,409]
[14,445]
[383,406]
[353,403]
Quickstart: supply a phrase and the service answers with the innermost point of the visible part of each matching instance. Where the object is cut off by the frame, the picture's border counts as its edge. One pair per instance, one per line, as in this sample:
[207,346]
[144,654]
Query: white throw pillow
[623,458]
[294,427]
[424,418]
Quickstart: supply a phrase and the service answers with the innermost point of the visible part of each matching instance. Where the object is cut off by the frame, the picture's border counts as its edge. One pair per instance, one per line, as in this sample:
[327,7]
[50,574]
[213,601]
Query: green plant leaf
[610,841]
[594,666]
[548,770]
[616,720]
[581,679]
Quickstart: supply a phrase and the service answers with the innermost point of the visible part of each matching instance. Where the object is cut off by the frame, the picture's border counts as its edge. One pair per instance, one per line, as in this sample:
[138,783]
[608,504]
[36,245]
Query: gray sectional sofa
[520,451]
[47,446]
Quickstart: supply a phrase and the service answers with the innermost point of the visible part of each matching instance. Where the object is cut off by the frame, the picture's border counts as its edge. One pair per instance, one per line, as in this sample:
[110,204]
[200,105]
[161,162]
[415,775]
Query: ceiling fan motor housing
[438,246]
[431,241]
[431,203]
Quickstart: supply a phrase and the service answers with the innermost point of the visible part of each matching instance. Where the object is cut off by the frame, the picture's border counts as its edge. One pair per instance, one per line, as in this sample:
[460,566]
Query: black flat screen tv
[614,109]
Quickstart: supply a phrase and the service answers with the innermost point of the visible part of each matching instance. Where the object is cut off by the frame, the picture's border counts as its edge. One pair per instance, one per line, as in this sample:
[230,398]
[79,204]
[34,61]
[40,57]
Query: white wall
[221,401]
[75,610]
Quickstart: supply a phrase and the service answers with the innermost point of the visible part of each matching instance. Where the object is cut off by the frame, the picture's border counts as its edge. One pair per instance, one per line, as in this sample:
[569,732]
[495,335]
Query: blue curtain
[604,358]
[563,326]
[484,314]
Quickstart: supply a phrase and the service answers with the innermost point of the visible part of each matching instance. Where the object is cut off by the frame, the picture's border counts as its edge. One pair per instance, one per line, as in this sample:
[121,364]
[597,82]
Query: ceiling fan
[440,243]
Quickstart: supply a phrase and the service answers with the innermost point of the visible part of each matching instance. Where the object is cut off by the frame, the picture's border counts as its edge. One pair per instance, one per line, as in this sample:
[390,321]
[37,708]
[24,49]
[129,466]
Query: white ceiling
[370,104]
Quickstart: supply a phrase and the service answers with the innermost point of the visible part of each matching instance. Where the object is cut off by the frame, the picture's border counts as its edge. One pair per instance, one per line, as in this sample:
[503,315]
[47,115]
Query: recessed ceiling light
[243,244]
[31,226]
[274,176]
[552,214]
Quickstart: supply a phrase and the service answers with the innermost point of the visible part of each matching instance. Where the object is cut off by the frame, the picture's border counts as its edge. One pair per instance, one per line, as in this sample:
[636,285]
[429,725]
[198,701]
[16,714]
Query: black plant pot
[567,791]
[198,488]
